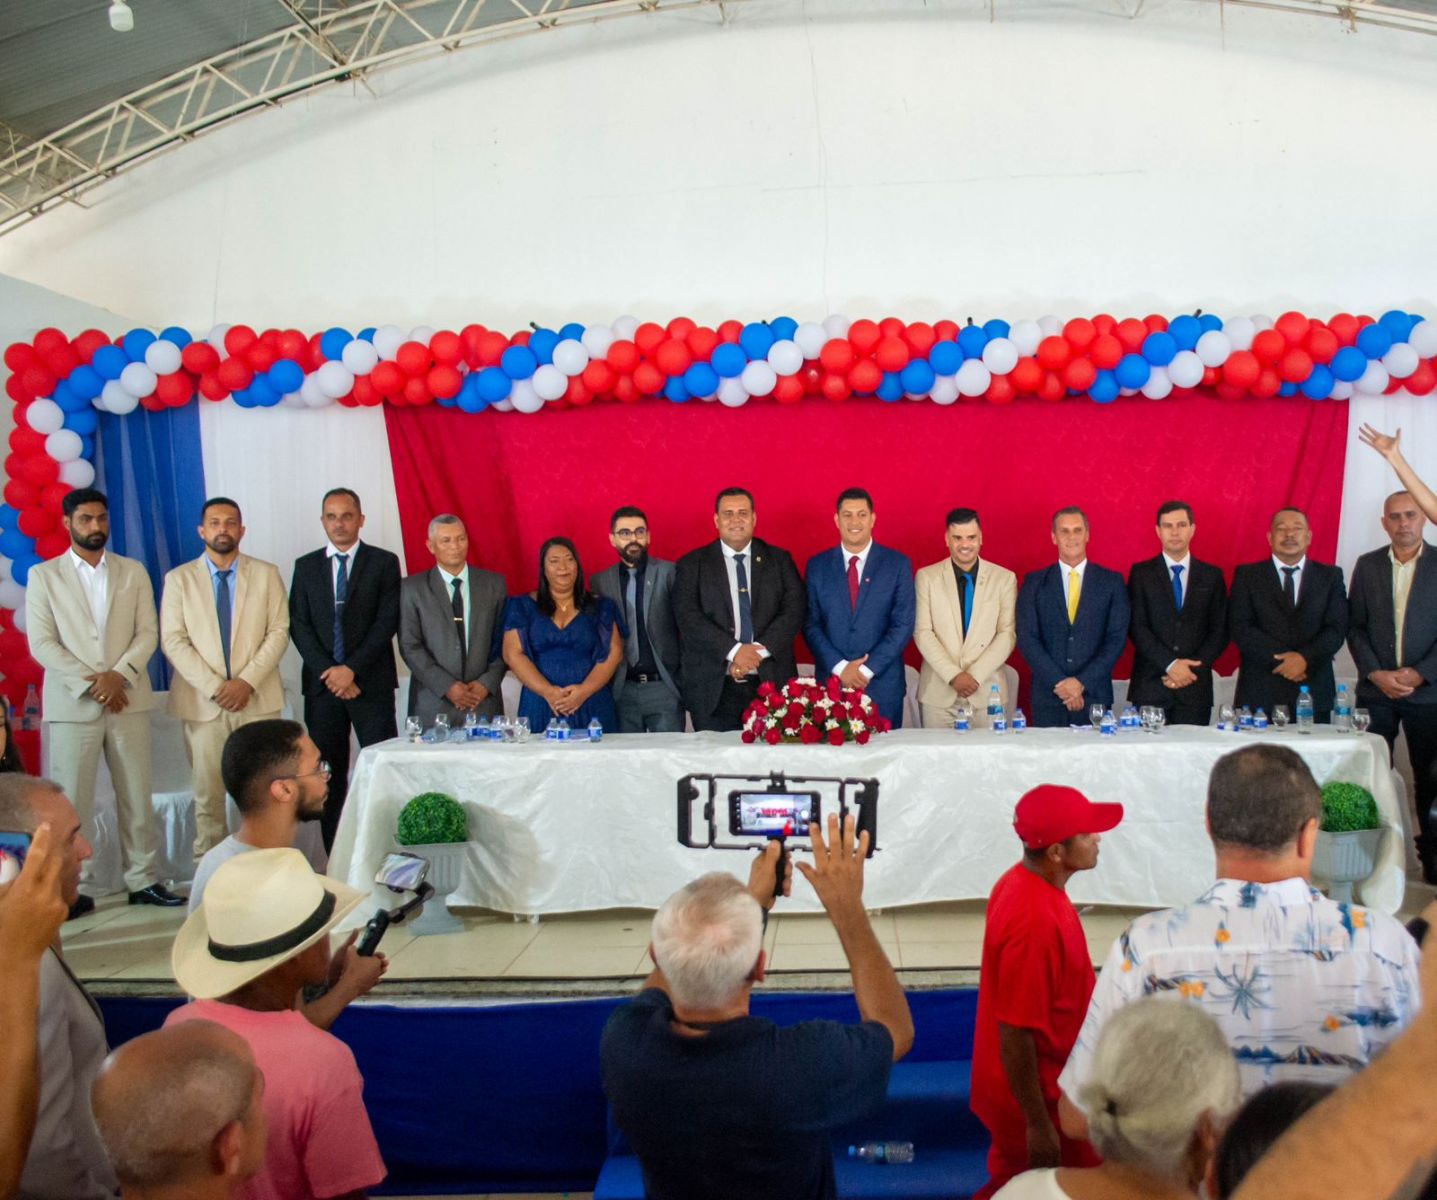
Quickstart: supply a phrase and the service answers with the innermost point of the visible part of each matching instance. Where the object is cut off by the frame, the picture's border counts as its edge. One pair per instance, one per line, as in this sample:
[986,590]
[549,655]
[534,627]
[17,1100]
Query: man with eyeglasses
[646,686]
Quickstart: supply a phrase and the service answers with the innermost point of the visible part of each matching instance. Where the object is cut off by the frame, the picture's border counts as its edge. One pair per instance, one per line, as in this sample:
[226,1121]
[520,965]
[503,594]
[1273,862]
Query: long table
[560,828]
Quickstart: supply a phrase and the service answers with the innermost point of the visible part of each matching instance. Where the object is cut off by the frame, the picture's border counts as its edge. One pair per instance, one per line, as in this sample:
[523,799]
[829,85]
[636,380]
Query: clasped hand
[108,688]
[339,679]
[566,701]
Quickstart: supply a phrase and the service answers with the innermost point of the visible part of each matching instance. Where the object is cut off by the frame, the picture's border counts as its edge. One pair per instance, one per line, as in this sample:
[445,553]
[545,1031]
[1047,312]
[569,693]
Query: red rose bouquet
[807,711]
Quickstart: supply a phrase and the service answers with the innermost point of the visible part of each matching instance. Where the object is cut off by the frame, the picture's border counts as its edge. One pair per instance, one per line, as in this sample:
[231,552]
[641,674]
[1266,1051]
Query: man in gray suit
[451,620]
[646,687]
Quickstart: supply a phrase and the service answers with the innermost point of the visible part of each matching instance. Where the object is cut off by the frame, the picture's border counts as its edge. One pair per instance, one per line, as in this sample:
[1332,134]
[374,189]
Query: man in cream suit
[224,626]
[90,618]
[966,626]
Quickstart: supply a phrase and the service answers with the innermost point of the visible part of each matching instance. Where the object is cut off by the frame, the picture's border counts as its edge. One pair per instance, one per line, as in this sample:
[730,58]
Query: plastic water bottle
[1244,718]
[30,714]
[996,719]
[551,730]
[1109,727]
[1259,720]
[1342,710]
[964,720]
[1130,718]
[1304,710]
[882,1152]
[1020,722]
[596,731]
[566,732]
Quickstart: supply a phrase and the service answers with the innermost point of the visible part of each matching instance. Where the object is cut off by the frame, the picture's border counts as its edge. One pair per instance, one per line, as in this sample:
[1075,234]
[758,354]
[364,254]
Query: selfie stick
[386,917]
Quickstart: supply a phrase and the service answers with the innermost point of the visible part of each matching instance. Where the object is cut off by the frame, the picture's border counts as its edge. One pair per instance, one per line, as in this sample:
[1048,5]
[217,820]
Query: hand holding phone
[33,907]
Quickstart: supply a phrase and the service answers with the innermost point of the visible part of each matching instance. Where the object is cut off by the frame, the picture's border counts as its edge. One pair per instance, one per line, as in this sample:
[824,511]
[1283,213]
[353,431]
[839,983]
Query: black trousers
[1188,712]
[734,700]
[1419,721]
[329,720]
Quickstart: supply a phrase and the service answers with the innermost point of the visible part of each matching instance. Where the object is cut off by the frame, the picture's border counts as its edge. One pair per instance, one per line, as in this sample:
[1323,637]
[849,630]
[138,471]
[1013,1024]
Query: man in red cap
[1035,983]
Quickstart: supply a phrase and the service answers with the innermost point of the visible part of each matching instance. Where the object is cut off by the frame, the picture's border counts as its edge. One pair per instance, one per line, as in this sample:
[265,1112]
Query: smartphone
[14,846]
[772,814]
[402,872]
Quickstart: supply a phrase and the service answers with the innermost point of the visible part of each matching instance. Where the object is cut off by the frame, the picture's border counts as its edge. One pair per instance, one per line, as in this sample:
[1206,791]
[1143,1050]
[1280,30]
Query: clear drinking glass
[1226,718]
[1150,717]
[1361,720]
[471,721]
[521,728]
[441,727]
[1095,714]
[1160,718]
[1280,716]
[413,728]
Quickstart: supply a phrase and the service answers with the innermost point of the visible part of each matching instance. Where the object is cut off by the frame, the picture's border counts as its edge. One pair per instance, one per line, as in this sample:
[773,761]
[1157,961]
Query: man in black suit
[740,604]
[1393,638]
[1179,622]
[1287,616]
[343,614]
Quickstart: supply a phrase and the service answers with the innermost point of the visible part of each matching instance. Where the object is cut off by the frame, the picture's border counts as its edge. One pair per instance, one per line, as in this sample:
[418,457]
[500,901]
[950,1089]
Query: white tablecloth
[569,828]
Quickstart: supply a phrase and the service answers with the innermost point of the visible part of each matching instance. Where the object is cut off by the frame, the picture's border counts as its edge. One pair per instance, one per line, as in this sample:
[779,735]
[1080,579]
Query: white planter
[446,870]
[1342,859]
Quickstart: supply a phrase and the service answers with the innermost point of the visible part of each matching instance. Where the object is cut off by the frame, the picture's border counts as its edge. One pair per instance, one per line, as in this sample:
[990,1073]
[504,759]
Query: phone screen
[13,848]
[772,814]
[402,872]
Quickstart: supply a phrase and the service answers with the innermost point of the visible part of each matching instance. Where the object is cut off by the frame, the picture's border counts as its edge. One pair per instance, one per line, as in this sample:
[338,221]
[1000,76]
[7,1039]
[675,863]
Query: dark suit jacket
[1372,633]
[429,642]
[371,618]
[880,627]
[659,621]
[1161,633]
[1262,624]
[704,607]
[1088,649]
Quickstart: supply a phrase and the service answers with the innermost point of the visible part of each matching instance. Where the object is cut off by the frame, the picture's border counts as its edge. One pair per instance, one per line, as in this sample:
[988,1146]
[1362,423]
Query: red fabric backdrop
[516,480]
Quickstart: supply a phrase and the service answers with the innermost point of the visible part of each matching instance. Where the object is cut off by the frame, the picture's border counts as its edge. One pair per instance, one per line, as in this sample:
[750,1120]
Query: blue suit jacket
[880,627]
[1089,648]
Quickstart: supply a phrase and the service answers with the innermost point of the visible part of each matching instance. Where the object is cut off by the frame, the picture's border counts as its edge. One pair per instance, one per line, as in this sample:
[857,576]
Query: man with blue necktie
[1179,623]
[860,608]
[1072,626]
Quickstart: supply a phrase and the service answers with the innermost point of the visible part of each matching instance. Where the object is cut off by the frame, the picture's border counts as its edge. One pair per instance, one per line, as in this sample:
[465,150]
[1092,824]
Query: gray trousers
[649,708]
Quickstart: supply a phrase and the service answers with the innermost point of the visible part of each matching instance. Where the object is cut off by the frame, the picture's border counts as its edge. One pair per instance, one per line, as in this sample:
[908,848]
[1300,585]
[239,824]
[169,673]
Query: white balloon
[1122,391]
[1000,356]
[1401,360]
[1423,339]
[836,326]
[597,339]
[1374,380]
[758,378]
[549,382]
[216,338]
[77,473]
[810,337]
[571,357]
[359,357]
[138,380]
[524,398]
[945,389]
[162,357]
[1260,322]
[785,357]
[45,416]
[1159,386]
[731,393]
[1050,326]
[12,595]
[422,333]
[295,400]
[1026,335]
[19,620]
[504,405]
[1240,332]
[625,327]
[334,380]
[118,401]
[973,378]
[1213,348]
[64,445]
[1186,369]
[387,340]
[1341,390]
[5,565]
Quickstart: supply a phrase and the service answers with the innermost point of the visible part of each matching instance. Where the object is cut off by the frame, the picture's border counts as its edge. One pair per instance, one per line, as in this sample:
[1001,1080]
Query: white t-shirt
[1032,1185]
[214,858]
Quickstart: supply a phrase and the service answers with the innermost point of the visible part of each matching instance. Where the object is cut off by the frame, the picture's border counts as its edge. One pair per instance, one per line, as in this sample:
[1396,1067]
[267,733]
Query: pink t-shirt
[320,1140]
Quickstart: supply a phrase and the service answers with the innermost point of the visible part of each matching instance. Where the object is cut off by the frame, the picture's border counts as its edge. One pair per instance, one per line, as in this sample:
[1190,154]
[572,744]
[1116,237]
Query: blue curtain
[150,467]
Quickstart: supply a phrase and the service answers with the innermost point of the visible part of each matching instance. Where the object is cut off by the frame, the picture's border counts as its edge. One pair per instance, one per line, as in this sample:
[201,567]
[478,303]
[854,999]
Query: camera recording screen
[772,814]
[13,848]
[402,872]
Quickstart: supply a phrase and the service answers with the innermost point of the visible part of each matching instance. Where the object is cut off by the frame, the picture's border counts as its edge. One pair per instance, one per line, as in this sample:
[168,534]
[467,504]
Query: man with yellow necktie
[1072,626]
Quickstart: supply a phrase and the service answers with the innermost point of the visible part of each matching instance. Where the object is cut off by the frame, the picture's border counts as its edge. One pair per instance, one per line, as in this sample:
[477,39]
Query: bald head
[180,1107]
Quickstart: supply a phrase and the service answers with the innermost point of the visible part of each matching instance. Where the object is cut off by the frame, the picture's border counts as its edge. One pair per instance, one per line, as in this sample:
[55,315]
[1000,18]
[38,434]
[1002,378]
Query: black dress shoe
[81,907]
[157,893]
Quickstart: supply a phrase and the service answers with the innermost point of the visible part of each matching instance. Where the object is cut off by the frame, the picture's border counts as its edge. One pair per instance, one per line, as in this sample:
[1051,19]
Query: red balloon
[648,379]
[838,355]
[1131,333]
[1269,346]
[39,469]
[1052,389]
[469,336]
[37,380]
[1210,376]
[577,393]
[150,403]
[649,336]
[701,343]
[812,377]
[365,394]
[1363,321]
[270,337]
[1054,352]
[1345,328]
[261,356]
[1322,343]
[1296,365]
[211,388]
[19,355]
[624,357]
[491,345]
[624,390]
[239,338]
[26,441]
[864,335]
[19,494]
[47,341]
[290,344]
[1080,374]
[1419,383]
[416,390]
[1293,326]
[1241,369]
[521,338]
[730,332]
[36,522]
[1001,390]
[788,389]
[1079,333]
[945,331]
[920,338]
[681,327]
[1104,323]
[1229,391]
[175,390]
[1027,375]
[673,357]
[891,327]
[447,349]
[1268,384]
[414,359]
[864,377]
[235,374]
[835,388]
[16,390]
[444,381]
[88,342]
[62,361]
[1156,323]
[387,378]
[313,357]
[53,544]
[599,377]
[199,357]
[891,354]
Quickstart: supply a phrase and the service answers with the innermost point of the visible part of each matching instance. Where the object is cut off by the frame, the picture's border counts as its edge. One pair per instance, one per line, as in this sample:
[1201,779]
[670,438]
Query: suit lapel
[242,582]
[71,583]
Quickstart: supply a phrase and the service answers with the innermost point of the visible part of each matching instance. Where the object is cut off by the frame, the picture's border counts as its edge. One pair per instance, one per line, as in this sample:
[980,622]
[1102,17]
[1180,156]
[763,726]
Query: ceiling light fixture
[122,20]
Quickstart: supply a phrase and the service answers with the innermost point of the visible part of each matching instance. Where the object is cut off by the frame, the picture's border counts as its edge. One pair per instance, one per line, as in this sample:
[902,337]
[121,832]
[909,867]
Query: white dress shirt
[446,580]
[1279,566]
[732,568]
[333,552]
[95,583]
[1068,572]
[840,667]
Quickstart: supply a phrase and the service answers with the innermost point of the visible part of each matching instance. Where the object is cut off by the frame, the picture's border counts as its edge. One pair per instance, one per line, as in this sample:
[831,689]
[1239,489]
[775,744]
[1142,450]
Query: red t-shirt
[1037,974]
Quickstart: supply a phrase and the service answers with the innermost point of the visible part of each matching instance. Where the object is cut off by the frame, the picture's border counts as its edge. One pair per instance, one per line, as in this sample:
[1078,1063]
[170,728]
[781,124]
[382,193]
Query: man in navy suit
[860,608]
[1072,626]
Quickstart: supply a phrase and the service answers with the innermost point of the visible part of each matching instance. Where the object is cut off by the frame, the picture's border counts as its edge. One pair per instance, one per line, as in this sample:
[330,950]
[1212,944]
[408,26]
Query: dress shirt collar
[1067,570]
[446,576]
[1279,565]
[215,570]
[81,565]
[747,551]
[636,571]
[1242,893]
[333,551]
[1391,556]
[1185,562]
[862,556]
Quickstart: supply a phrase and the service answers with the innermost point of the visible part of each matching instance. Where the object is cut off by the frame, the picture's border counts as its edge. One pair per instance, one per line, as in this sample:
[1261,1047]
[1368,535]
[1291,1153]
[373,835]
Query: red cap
[1051,813]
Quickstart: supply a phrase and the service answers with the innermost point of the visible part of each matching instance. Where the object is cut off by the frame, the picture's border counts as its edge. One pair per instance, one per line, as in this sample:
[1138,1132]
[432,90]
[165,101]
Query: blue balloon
[243,398]
[1397,323]
[1374,341]
[1349,364]
[1132,371]
[469,398]
[1159,349]
[997,328]
[285,376]
[1318,385]
[518,362]
[65,397]
[917,377]
[87,447]
[136,342]
[1210,323]
[971,340]
[86,382]
[542,343]
[20,568]
[701,379]
[891,388]
[180,336]
[333,341]
[9,518]
[1287,389]
[109,362]
[572,330]
[262,392]
[87,420]
[945,358]
[447,401]
[366,334]
[1185,331]
[494,385]
[674,389]
[1105,387]
[783,328]
[14,544]
[729,360]
[756,339]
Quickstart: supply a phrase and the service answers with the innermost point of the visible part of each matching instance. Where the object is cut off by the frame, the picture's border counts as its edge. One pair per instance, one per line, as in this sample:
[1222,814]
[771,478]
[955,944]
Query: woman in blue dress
[564,644]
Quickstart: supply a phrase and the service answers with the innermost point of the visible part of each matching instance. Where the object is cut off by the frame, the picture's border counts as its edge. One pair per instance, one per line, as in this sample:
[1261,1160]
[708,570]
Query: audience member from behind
[1303,987]
[260,935]
[66,1160]
[181,1112]
[1162,1088]
[1258,1124]
[718,1103]
[1035,983]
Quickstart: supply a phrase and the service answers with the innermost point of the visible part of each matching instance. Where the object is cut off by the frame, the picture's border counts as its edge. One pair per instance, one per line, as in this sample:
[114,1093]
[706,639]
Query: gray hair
[16,811]
[706,940]
[443,519]
[1159,1067]
[1071,510]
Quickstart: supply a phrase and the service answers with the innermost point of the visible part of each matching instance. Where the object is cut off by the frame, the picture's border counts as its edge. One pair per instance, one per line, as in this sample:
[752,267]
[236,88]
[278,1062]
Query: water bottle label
[1000,725]
[961,724]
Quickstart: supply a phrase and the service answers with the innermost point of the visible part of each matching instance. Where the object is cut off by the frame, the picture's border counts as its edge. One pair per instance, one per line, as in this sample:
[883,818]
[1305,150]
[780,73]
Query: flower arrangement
[807,711]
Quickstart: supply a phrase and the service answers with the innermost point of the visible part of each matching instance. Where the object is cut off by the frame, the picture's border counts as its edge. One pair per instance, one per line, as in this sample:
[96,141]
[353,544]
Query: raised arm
[1390,447]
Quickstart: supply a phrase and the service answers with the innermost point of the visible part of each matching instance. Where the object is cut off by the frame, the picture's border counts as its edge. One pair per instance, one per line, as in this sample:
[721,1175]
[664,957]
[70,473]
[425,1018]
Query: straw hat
[259,909]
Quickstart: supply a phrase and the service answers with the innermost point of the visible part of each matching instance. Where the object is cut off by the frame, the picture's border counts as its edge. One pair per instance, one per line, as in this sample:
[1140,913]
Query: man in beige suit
[966,626]
[224,626]
[90,617]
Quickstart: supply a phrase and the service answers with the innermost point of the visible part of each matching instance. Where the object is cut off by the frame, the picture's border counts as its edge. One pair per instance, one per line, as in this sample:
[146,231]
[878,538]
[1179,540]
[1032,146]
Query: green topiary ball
[1347,807]
[432,818]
